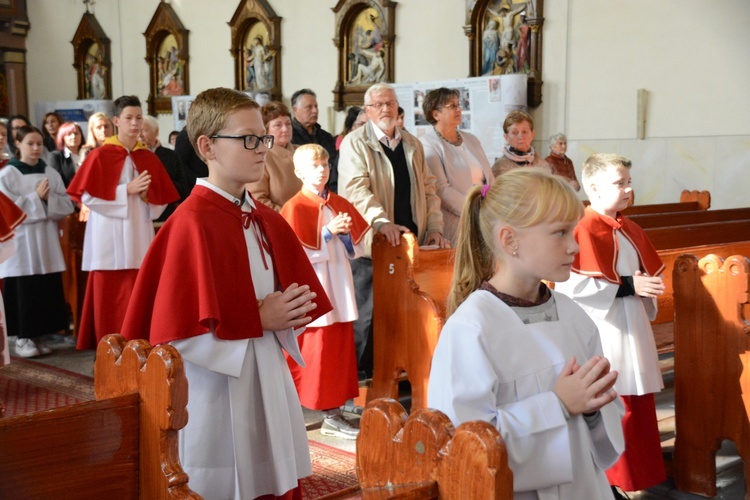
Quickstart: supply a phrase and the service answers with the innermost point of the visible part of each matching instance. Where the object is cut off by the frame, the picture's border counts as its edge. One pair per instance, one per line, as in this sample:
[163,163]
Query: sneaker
[26,348]
[43,348]
[338,426]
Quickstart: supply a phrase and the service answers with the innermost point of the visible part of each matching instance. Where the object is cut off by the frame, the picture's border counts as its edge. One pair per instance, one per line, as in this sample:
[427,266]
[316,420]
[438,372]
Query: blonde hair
[521,198]
[93,119]
[515,117]
[308,152]
[210,110]
[599,162]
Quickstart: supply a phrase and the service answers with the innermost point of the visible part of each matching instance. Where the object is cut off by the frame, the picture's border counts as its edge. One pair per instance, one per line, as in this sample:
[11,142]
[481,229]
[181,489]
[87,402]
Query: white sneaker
[44,349]
[338,426]
[26,348]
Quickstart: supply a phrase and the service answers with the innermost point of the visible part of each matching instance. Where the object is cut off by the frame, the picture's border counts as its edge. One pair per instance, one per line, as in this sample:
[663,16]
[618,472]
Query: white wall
[691,57]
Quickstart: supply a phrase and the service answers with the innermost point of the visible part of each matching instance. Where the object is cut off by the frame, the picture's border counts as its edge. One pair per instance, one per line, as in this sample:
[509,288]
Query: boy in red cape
[126,187]
[616,280]
[226,283]
[330,230]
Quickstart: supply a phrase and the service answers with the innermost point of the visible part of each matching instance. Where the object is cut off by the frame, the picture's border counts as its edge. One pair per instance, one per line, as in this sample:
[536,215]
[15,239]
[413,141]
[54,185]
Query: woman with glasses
[455,158]
[278,183]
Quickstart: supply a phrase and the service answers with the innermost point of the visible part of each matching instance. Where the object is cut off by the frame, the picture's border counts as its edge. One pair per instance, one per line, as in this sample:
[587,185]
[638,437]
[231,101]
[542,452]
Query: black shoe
[619,494]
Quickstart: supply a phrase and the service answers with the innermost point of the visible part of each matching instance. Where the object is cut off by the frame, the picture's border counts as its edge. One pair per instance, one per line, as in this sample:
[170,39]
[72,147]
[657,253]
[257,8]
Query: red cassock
[10,217]
[196,273]
[100,174]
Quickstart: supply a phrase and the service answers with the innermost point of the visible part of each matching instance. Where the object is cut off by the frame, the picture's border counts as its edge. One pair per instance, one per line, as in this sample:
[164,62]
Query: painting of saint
[367,56]
[505,39]
[258,59]
[95,74]
[171,69]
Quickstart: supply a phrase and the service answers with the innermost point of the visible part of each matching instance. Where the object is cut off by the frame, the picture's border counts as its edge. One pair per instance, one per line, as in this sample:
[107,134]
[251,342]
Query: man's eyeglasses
[251,141]
[381,105]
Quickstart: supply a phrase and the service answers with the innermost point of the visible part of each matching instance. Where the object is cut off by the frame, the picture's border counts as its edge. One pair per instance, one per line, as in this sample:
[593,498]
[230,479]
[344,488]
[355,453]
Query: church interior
[614,77]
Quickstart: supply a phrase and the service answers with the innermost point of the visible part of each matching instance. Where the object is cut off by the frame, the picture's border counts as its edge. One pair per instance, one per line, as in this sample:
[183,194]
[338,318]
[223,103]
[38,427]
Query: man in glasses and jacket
[383,173]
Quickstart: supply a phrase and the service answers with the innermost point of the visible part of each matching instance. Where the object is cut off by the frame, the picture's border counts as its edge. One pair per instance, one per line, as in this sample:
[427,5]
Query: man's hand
[288,309]
[648,286]
[393,232]
[437,239]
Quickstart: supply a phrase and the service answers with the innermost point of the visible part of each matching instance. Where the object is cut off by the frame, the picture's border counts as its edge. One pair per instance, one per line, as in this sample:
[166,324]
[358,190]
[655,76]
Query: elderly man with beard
[306,130]
[383,173]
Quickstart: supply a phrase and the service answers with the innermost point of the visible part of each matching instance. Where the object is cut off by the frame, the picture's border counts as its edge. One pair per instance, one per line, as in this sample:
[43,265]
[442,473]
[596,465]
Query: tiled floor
[730,477]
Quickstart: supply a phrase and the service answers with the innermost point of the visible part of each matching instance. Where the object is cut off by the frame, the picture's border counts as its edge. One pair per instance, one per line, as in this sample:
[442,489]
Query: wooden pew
[689,200]
[73,278]
[411,288]
[123,445]
[712,367]
[648,221]
[422,456]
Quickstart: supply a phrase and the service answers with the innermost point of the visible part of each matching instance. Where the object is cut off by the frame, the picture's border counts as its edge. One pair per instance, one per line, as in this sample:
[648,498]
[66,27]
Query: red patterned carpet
[28,386]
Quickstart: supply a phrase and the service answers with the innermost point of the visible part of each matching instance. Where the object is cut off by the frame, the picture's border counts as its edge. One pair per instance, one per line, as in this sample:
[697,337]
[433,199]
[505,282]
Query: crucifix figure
[89,4]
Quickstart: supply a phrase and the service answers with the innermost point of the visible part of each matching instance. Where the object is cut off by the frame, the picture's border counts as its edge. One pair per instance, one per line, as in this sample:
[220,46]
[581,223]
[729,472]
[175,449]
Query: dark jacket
[301,136]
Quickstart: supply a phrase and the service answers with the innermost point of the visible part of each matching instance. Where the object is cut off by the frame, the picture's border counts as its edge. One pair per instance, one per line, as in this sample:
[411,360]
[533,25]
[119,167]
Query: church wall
[687,55]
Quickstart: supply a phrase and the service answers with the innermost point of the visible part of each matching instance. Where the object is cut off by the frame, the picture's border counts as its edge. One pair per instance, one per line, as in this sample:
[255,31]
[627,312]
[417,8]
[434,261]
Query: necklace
[457,143]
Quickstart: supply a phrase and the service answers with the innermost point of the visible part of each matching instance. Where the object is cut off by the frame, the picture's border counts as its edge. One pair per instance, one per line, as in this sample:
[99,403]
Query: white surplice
[489,365]
[118,231]
[623,322]
[37,238]
[246,434]
[331,264]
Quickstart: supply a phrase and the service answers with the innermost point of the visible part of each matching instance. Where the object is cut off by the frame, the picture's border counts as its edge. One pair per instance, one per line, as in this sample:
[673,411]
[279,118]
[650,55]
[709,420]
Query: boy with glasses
[227,284]
[126,187]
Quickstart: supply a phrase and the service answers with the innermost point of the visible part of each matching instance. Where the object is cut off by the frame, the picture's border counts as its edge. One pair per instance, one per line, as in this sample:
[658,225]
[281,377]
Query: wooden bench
[123,445]
[648,221]
[422,456]
[712,367]
[689,200]
[73,278]
[410,288]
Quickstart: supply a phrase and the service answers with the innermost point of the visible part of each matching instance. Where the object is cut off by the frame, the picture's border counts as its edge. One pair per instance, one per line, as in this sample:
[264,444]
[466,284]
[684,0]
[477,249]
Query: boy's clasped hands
[586,388]
[341,224]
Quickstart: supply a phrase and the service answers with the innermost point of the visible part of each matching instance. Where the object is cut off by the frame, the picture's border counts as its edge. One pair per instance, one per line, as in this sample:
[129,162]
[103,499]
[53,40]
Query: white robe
[119,231]
[331,264]
[246,434]
[488,365]
[623,322]
[37,239]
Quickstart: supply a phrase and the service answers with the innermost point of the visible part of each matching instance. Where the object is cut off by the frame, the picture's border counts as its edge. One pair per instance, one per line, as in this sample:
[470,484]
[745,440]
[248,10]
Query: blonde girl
[519,355]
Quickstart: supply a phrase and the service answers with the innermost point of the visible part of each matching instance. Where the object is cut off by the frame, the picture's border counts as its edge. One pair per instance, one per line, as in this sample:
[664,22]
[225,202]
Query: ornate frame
[164,24]
[246,20]
[347,12]
[90,35]
[476,21]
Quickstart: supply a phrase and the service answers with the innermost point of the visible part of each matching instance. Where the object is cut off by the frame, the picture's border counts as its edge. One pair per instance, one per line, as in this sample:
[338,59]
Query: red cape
[10,217]
[305,207]
[100,173]
[599,249]
[196,273]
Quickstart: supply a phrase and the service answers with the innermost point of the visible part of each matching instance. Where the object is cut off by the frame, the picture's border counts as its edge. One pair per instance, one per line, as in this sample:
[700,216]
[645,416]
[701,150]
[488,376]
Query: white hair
[153,122]
[378,88]
[557,137]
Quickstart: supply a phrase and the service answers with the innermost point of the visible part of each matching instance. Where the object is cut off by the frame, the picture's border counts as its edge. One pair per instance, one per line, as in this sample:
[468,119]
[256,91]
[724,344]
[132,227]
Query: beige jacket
[366,180]
[278,183]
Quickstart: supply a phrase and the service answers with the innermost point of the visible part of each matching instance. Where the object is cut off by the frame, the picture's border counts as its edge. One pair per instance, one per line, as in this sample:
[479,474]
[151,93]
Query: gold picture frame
[92,59]
[256,48]
[505,37]
[365,32]
[168,59]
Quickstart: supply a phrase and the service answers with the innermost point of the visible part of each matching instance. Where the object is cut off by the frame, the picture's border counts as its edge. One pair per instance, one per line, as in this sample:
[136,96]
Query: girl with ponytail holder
[517,354]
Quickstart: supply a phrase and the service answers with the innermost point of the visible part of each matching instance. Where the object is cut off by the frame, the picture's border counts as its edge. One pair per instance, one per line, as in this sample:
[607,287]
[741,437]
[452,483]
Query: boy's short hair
[210,110]
[309,152]
[123,102]
[599,162]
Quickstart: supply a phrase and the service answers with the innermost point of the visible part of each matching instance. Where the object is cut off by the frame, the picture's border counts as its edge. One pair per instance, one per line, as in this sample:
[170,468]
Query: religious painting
[171,68]
[256,50]
[506,39]
[91,49]
[167,57]
[364,38]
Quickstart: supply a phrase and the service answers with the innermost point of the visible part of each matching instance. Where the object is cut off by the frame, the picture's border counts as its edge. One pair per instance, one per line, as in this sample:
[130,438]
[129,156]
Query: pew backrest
[648,221]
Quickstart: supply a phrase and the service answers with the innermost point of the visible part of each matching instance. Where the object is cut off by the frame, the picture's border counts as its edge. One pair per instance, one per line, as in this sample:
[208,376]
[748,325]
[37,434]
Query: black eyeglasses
[251,141]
